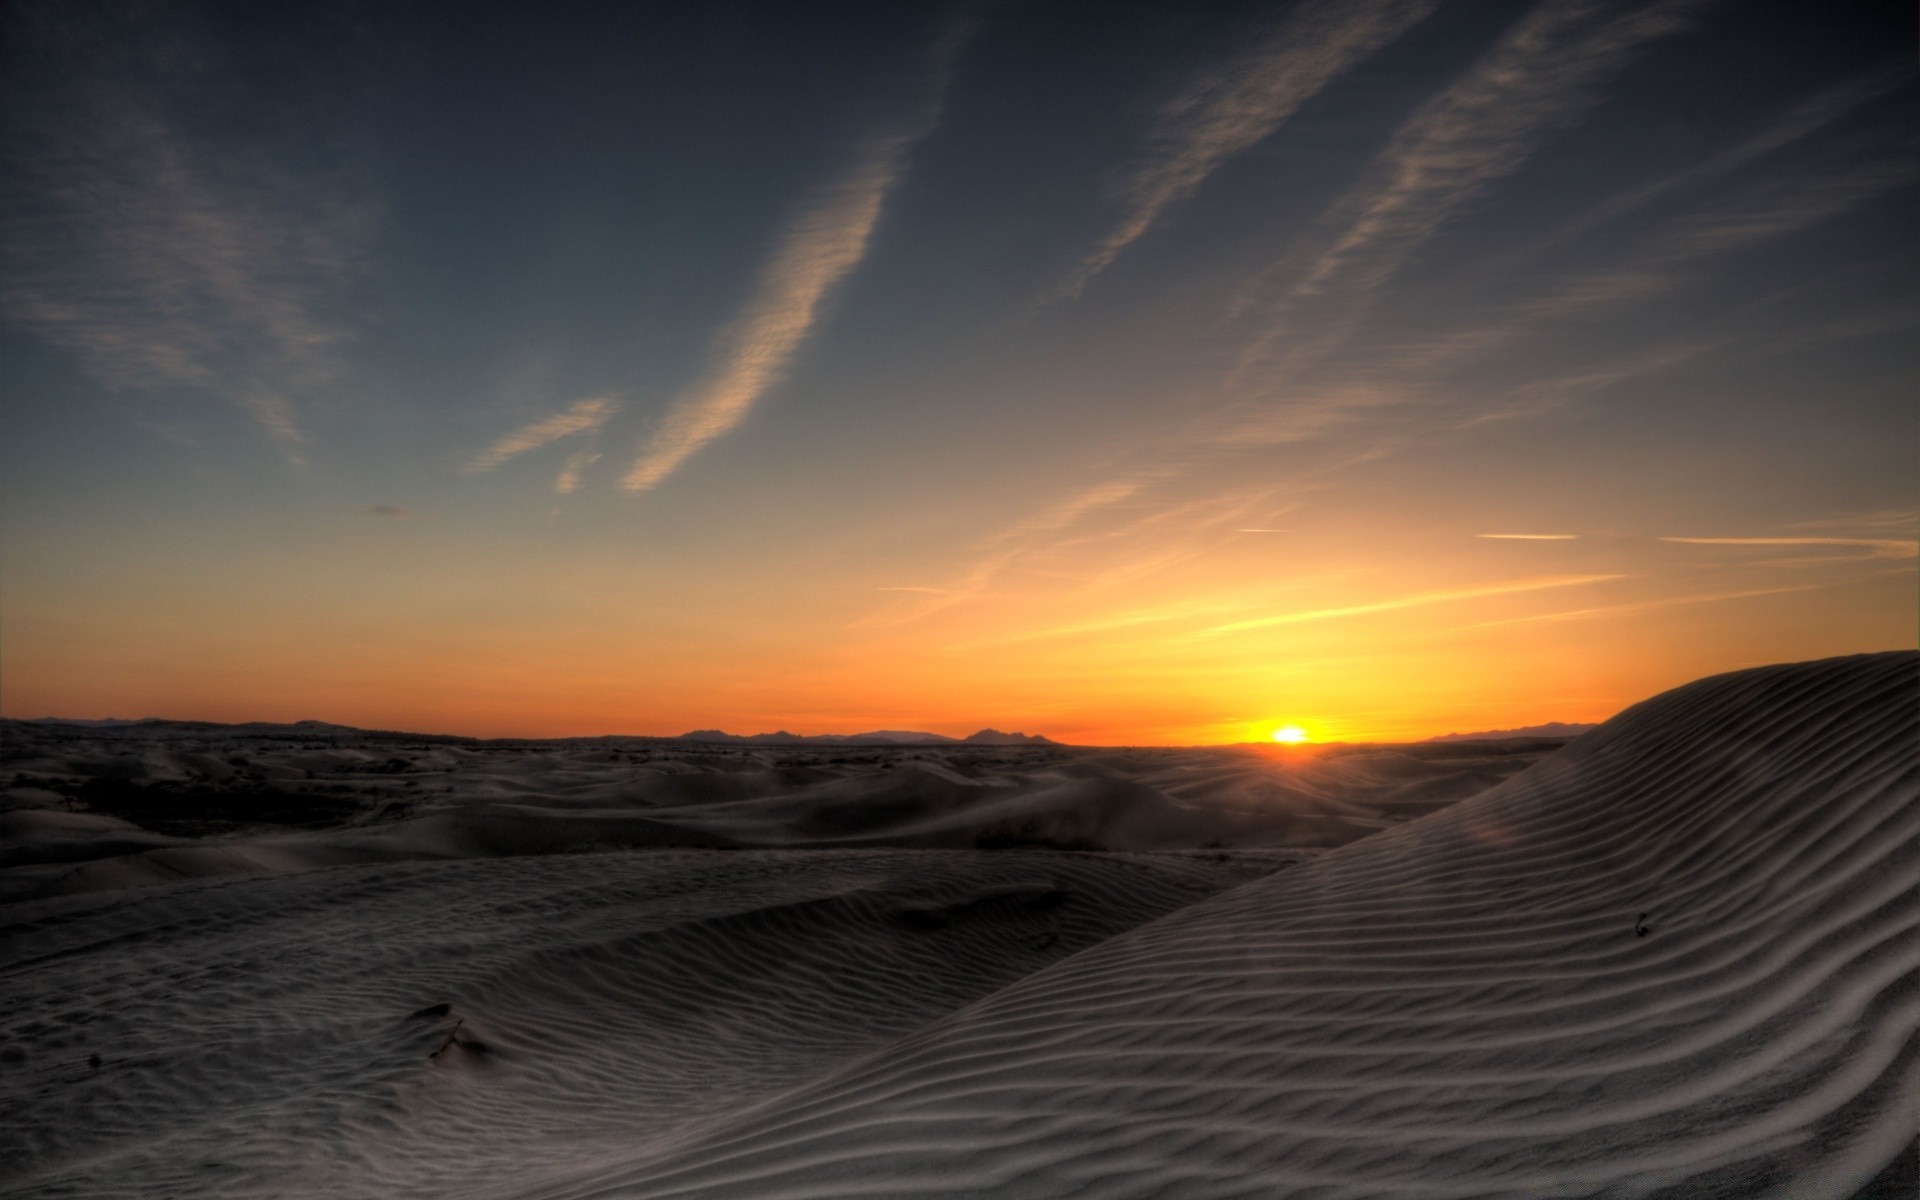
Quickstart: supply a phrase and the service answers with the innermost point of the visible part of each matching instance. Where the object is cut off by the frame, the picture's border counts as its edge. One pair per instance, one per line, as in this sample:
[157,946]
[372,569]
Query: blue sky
[512,371]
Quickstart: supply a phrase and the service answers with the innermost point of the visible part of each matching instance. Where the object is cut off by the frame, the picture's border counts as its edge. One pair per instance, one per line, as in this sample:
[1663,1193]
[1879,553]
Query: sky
[1128,372]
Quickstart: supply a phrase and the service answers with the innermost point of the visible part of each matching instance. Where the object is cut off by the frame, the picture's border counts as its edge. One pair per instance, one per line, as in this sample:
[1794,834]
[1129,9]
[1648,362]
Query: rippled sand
[1463,1006]
[1678,957]
[88,809]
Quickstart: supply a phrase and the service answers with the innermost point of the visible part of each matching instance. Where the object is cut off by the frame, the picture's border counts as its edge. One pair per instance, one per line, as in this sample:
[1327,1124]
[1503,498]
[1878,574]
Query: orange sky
[1393,370]
[385,631]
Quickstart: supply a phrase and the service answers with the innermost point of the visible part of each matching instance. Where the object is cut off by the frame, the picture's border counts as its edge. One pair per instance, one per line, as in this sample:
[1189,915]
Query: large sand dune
[1462,1006]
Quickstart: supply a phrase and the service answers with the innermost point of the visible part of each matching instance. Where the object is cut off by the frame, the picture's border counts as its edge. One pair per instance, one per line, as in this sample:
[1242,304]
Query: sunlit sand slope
[1460,1006]
[427,1029]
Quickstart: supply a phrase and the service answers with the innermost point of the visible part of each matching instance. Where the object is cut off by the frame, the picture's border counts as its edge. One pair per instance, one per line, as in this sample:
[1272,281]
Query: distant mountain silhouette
[89,722]
[1552,729]
[122,727]
[172,724]
[878,737]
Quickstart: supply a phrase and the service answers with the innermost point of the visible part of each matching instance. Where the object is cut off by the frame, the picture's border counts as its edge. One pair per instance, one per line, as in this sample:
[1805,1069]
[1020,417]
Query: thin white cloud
[1070,511]
[1239,104]
[1529,537]
[1784,206]
[1802,121]
[1014,543]
[1887,519]
[568,481]
[1542,76]
[275,416]
[1875,547]
[1615,610]
[163,261]
[1422,377]
[583,416]
[1791,204]
[1398,602]
[816,252]
[1125,620]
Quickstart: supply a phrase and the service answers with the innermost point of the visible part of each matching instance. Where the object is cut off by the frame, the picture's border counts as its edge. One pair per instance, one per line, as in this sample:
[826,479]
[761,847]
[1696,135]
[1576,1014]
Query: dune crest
[1677,959]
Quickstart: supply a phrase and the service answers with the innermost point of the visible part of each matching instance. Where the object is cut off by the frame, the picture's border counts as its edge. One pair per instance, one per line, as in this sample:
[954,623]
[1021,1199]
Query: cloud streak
[161,260]
[1398,602]
[1797,124]
[1543,75]
[1241,103]
[584,416]
[755,353]
[817,252]
[1615,610]
[1875,547]
[568,481]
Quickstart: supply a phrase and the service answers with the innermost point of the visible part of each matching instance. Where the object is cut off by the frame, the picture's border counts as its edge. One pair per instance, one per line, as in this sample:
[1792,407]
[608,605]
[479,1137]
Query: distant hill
[113,727]
[878,737]
[1552,729]
[86,723]
[168,723]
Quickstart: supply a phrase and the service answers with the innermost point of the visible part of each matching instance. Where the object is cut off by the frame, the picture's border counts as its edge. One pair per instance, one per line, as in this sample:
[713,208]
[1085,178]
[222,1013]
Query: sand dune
[1466,1005]
[1678,957]
[428,1028]
[184,800]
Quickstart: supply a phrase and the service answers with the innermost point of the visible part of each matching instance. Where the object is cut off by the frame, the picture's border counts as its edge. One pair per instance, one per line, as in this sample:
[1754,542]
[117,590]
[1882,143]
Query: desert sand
[87,809]
[1674,956]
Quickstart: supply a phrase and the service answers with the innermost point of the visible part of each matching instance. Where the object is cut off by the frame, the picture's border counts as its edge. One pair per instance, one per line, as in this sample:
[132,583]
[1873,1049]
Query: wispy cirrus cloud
[583,416]
[1419,378]
[162,258]
[1870,547]
[1100,517]
[1241,103]
[1640,606]
[1543,75]
[817,251]
[568,481]
[1116,621]
[1812,115]
[1780,208]
[1882,520]
[1416,600]
[1008,546]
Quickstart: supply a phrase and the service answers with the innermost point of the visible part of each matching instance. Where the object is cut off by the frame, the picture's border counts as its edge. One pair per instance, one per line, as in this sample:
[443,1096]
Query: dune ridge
[1678,958]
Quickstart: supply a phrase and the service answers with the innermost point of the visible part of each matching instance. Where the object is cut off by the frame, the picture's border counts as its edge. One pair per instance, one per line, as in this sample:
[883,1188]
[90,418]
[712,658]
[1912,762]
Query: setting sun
[1290,735]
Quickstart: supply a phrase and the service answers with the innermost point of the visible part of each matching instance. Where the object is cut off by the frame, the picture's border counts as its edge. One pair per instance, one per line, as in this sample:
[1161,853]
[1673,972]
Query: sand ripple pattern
[265,1036]
[1460,1006]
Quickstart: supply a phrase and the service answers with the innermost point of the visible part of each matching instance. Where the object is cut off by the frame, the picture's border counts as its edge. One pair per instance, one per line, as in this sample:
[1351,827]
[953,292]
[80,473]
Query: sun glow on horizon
[1291,735]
